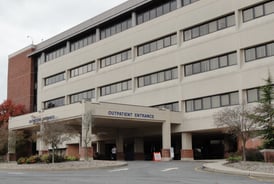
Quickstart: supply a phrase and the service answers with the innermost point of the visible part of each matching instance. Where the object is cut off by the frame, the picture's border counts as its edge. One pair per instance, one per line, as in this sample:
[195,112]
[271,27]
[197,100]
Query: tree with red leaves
[8,109]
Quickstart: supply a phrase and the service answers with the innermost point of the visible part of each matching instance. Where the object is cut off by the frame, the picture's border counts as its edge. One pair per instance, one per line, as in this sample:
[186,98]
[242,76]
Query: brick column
[187,152]
[166,138]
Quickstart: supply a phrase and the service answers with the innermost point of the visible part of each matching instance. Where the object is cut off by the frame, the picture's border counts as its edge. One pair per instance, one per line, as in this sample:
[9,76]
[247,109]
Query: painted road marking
[170,169]
[15,173]
[118,170]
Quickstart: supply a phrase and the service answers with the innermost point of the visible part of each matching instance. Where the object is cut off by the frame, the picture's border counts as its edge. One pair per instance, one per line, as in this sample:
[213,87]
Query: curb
[57,167]
[221,168]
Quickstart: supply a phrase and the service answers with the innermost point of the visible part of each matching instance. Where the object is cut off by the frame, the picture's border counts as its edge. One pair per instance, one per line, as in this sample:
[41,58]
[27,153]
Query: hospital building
[150,73]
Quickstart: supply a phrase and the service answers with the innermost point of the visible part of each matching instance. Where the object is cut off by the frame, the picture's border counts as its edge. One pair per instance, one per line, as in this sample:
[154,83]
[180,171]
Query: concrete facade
[147,60]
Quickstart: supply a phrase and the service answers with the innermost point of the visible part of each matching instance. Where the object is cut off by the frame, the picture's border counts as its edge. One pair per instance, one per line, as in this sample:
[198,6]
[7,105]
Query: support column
[11,146]
[187,151]
[120,147]
[86,151]
[98,35]
[41,146]
[179,3]
[166,139]
[139,149]
[67,47]
[134,19]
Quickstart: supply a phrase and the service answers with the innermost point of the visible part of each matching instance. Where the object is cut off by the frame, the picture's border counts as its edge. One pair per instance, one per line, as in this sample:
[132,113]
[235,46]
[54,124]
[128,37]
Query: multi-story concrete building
[152,74]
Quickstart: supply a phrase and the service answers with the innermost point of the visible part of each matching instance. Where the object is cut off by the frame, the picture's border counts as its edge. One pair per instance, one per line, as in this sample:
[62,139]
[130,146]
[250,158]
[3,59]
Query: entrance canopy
[108,115]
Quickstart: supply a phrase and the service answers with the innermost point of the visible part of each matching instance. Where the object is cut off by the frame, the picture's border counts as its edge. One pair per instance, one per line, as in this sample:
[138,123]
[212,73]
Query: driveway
[137,172]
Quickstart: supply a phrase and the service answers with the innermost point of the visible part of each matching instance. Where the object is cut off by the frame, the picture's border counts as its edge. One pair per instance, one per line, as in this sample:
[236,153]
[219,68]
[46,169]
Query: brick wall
[21,79]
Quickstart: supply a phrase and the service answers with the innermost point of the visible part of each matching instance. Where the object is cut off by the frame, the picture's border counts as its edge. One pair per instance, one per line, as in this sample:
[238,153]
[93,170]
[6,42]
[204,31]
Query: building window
[155,45]
[54,79]
[255,94]
[55,53]
[258,52]
[158,77]
[82,69]
[257,11]
[82,42]
[86,95]
[54,103]
[209,64]
[210,102]
[116,88]
[156,11]
[174,106]
[115,28]
[188,2]
[209,27]
[116,58]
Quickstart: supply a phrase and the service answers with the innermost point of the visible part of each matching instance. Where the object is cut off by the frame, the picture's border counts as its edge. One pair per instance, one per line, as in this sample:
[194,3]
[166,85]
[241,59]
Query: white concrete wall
[234,78]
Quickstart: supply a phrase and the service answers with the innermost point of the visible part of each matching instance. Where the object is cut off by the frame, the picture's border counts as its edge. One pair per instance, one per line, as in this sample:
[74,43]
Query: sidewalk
[75,165]
[219,166]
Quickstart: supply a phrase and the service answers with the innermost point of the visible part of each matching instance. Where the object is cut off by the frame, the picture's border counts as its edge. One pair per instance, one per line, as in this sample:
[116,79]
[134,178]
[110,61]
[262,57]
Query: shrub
[254,155]
[21,160]
[234,157]
[33,159]
[71,158]
[45,158]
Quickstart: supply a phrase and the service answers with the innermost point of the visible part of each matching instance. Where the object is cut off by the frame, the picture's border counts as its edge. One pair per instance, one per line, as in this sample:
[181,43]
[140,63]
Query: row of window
[255,94]
[116,28]
[214,63]
[258,11]
[191,33]
[211,64]
[211,102]
[156,11]
[209,27]
[258,52]
[82,42]
[86,95]
[158,44]
[55,78]
[55,54]
[82,69]
[158,77]
[174,106]
[116,58]
[116,88]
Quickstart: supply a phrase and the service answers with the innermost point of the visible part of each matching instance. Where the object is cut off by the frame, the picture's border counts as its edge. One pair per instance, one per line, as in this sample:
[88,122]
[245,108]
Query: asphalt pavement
[136,172]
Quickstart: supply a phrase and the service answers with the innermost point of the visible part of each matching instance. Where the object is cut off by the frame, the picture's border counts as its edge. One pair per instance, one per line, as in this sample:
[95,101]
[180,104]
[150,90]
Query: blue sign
[36,120]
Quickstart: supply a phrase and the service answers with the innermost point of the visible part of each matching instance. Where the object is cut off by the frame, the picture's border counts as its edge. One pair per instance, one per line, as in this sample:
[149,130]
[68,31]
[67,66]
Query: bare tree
[54,134]
[235,120]
[87,131]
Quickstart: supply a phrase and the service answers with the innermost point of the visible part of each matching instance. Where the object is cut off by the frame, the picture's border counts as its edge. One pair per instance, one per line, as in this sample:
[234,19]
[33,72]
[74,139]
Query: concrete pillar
[12,146]
[120,147]
[98,34]
[139,149]
[68,47]
[166,141]
[43,57]
[187,151]
[179,3]
[134,19]
[86,151]
[41,145]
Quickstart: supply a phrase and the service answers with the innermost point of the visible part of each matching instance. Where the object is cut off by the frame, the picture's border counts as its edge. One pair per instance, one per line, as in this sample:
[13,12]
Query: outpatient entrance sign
[130,115]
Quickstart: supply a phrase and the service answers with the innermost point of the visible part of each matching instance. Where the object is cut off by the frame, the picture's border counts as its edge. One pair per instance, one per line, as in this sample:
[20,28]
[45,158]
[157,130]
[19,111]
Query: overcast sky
[40,20]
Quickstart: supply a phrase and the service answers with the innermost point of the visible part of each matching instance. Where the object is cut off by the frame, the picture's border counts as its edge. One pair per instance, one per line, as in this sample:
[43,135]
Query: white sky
[40,19]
